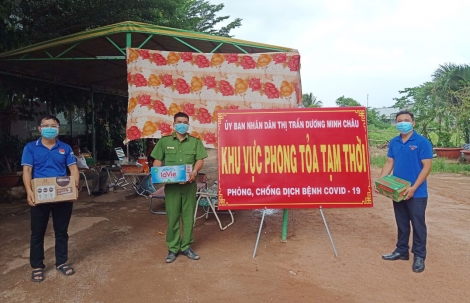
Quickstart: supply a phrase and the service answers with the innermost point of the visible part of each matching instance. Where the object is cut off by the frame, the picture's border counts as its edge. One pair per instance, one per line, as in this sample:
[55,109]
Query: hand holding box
[171,174]
[54,189]
[392,187]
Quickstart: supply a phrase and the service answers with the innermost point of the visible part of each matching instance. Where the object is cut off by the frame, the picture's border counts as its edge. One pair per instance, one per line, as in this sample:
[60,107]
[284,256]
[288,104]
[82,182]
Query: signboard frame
[336,136]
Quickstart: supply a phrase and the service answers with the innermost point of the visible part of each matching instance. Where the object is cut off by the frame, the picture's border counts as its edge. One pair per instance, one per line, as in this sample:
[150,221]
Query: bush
[11,150]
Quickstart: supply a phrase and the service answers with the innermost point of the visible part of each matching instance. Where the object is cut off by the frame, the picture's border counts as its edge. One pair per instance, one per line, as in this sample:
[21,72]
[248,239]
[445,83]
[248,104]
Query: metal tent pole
[71,113]
[93,135]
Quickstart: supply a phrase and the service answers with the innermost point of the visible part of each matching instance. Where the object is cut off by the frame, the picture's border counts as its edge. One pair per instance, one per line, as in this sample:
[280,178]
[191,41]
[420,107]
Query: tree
[10,30]
[429,111]
[316,102]
[464,111]
[309,100]
[451,77]
[201,17]
[379,121]
[30,21]
[342,102]
[24,22]
[451,86]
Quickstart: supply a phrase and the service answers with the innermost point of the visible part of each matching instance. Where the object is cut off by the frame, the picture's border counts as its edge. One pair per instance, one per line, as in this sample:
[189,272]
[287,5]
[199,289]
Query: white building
[388,112]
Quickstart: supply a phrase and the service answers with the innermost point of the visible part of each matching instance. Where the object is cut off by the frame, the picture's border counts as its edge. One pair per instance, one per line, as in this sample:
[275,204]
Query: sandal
[64,268]
[37,275]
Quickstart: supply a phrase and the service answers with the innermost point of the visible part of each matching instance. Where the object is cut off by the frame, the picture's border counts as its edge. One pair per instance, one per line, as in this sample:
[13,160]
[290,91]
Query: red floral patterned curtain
[163,83]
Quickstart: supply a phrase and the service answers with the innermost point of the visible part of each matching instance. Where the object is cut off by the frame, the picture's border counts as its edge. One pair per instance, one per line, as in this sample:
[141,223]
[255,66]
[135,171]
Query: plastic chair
[120,154]
[158,194]
[120,181]
[208,199]
[85,182]
[89,159]
[113,180]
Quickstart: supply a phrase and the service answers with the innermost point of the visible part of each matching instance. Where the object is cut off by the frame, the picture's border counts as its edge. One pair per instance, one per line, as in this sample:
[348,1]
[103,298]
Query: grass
[439,165]
[378,161]
[381,136]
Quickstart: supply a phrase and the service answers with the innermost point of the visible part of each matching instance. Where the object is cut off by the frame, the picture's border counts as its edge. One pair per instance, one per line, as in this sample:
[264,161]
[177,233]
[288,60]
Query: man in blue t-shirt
[43,158]
[410,158]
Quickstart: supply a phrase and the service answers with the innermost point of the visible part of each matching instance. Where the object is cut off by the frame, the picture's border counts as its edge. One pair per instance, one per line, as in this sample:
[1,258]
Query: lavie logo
[168,174]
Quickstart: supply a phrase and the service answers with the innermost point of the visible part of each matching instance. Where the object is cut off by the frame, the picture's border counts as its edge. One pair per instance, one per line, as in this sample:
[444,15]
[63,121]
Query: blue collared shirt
[407,159]
[48,162]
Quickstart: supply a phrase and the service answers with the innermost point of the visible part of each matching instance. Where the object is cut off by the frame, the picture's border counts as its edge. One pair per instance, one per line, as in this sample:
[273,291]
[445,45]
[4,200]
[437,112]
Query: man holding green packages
[410,157]
[180,148]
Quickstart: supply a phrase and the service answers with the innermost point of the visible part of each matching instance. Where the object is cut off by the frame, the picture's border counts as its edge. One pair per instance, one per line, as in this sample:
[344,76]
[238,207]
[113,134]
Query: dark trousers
[61,213]
[99,180]
[406,211]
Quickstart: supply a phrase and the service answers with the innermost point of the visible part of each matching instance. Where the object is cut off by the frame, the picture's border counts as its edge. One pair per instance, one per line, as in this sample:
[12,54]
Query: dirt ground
[117,248]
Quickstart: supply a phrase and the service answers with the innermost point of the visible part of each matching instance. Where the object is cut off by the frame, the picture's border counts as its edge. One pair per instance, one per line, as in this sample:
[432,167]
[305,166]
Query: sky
[367,50]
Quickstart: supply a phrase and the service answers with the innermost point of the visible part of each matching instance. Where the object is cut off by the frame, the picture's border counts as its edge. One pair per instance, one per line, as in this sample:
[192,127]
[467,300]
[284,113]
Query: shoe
[37,275]
[65,269]
[191,254]
[96,193]
[418,264]
[396,256]
[170,257]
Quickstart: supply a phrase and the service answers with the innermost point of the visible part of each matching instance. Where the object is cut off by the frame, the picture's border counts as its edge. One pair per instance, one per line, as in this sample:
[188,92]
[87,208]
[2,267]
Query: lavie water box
[171,174]
[55,189]
[392,187]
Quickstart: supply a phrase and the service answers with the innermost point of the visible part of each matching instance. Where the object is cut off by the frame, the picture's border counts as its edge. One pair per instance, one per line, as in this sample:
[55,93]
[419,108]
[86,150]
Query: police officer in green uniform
[180,199]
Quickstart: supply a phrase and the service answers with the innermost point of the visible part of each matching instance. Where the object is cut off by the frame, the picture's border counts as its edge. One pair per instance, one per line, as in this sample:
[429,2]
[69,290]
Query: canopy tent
[95,59]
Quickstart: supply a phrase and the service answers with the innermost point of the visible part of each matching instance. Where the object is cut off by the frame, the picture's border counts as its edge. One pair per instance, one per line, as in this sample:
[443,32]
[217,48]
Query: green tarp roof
[96,58]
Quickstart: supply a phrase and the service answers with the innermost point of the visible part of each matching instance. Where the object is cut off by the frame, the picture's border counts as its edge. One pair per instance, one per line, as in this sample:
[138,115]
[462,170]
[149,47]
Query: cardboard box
[171,174]
[55,189]
[392,187]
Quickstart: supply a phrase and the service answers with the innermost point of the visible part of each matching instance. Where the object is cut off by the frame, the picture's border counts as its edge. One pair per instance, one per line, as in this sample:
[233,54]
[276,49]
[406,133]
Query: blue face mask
[404,127]
[181,128]
[49,132]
